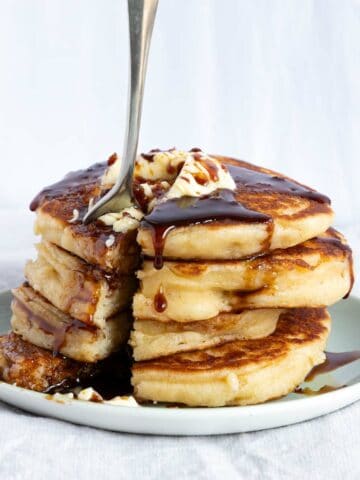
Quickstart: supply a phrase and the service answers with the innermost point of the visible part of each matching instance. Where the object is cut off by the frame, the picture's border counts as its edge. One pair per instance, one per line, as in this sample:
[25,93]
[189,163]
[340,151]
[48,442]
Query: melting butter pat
[122,222]
[201,175]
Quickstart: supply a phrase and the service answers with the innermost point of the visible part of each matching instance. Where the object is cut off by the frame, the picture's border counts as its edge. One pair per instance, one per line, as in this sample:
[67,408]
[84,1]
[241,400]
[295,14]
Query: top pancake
[267,211]
[272,212]
[60,209]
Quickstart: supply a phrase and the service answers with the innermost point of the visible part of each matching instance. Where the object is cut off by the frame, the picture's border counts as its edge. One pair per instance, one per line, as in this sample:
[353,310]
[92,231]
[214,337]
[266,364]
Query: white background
[274,82]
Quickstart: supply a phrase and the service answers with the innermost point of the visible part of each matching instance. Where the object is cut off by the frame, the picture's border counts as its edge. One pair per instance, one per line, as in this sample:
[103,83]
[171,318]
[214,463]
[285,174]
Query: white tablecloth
[40,448]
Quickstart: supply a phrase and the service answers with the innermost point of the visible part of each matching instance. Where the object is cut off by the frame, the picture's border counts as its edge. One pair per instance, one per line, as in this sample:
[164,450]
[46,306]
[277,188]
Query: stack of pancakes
[230,309]
[75,306]
[233,286]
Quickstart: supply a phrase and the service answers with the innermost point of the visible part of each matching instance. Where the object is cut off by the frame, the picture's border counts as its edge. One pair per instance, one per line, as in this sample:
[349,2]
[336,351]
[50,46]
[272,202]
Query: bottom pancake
[151,339]
[40,323]
[35,368]
[240,372]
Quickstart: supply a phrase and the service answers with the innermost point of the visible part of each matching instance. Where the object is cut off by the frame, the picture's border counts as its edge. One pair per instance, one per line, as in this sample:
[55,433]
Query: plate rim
[315,406]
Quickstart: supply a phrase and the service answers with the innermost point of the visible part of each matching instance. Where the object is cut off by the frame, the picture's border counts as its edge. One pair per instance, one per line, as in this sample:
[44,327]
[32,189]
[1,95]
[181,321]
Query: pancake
[73,286]
[151,339]
[241,372]
[35,368]
[42,324]
[267,211]
[316,273]
[60,209]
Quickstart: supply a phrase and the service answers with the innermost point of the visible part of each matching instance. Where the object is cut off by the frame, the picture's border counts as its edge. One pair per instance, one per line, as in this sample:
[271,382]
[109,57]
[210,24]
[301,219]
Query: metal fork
[141,22]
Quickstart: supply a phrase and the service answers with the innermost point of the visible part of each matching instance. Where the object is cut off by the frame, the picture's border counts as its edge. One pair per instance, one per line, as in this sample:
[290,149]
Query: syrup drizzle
[261,182]
[312,393]
[58,332]
[221,204]
[334,360]
[160,302]
[77,183]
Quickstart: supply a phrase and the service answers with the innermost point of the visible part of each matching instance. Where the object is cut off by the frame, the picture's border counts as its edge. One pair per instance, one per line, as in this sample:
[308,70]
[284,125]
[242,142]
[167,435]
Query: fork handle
[141,22]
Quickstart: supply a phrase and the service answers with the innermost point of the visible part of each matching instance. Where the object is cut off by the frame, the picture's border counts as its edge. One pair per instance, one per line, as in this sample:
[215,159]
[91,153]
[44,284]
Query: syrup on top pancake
[258,210]
[60,209]
[197,207]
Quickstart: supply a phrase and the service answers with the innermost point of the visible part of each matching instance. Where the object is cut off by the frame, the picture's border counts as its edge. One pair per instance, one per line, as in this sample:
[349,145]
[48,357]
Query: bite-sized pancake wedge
[316,273]
[35,368]
[240,372]
[37,321]
[77,288]
[151,339]
[266,211]
[60,209]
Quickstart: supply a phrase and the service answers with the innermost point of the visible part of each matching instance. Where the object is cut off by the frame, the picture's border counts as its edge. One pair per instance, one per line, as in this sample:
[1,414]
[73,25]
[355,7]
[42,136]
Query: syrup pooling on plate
[312,393]
[334,360]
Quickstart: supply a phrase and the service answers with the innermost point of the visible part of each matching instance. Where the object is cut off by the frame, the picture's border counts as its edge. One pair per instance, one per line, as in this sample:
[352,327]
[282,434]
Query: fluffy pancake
[42,324]
[151,339]
[290,213]
[240,372]
[316,273]
[35,368]
[73,286]
[60,209]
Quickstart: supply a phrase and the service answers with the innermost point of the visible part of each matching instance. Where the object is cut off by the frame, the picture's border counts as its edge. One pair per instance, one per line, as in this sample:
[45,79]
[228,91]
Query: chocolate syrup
[160,302]
[220,205]
[150,155]
[333,361]
[112,159]
[255,181]
[58,332]
[311,393]
[74,182]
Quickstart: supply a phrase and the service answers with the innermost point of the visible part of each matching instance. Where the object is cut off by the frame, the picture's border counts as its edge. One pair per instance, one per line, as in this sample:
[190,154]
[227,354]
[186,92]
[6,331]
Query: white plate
[294,408]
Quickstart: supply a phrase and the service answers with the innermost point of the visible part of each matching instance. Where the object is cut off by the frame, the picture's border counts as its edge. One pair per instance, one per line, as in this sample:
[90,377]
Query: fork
[141,22]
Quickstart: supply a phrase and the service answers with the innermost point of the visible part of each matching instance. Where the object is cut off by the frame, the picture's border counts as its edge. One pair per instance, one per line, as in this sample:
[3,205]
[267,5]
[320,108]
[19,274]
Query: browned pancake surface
[268,199]
[74,193]
[37,369]
[297,326]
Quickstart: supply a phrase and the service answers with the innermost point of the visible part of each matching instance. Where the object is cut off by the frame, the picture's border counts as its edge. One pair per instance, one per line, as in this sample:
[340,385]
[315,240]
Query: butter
[89,395]
[200,176]
[123,402]
[164,165]
[167,175]
[121,222]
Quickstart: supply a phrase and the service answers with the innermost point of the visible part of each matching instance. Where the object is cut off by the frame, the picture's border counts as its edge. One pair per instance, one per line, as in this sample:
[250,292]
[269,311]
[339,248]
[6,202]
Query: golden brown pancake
[77,288]
[151,339]
[40,323]
[268,211]
[316,273]
[240,372]
[35,368]
[60,209]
